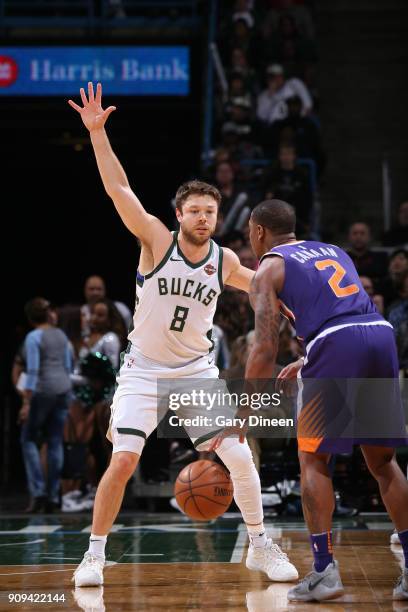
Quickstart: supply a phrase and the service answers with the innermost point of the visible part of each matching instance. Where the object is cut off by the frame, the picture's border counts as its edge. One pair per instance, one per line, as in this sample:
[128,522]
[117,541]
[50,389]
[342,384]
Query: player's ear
[179,215]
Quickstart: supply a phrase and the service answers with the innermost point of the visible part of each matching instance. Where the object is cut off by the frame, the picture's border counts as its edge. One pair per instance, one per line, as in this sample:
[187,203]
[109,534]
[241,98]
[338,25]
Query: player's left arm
[264,300]
[236,275]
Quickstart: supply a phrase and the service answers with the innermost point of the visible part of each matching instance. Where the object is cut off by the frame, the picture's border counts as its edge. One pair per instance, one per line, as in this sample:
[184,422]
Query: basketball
[204,490]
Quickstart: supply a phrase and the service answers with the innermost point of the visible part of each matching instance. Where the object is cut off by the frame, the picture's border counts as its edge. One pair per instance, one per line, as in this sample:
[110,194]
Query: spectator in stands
[106,333]
[377,298]
[271,105]
[390,286]
[234,314]
[288,181]
[301,131]
[94,378]
[45,403]
[116,9]
[237,140]
[242,35]
[398,234]
[368,262]
[225,181]
[398,317]
[234,240]
[238,111]
[239,89]
[240,65]
[221,155]
[288,46]
[238,359]
[71,321]
[247,257]
[234,199]
[95,289]
[300,14]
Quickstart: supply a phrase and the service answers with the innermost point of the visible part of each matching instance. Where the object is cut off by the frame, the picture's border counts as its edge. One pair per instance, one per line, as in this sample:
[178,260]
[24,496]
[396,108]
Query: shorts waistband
[335,328]
[135,352]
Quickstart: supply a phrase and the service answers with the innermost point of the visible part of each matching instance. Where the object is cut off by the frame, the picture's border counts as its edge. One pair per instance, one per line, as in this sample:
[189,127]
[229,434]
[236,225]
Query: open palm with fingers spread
[92,113]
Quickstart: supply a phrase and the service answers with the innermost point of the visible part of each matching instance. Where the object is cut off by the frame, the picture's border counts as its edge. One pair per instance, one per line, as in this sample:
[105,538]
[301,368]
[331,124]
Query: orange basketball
[204,490]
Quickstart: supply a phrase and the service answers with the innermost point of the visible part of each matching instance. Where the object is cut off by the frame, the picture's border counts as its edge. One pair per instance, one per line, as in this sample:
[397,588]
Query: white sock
[97,545]
[257,535]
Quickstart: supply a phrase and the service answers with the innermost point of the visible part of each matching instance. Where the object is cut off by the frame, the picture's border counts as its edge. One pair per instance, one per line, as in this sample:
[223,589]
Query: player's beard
[194,238]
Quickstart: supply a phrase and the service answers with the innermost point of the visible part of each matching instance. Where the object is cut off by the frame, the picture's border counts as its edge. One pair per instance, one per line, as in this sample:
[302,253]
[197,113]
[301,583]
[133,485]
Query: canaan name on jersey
[305,254]
[186,288]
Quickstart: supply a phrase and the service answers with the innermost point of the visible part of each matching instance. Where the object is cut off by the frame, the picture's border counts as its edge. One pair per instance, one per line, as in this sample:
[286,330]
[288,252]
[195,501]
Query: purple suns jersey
[321,288]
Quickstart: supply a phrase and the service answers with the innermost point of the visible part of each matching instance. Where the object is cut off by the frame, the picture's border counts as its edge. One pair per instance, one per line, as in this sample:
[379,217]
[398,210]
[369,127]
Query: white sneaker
[72,502]
[394,538]
[89,572]
[272,561]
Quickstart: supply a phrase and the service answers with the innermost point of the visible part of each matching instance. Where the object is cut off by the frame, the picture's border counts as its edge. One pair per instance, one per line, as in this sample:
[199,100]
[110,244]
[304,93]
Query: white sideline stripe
[23,543]
[380,526]
[40,529]
[143,555]
[60,558]
[115,527]
[38,572]
[240,545]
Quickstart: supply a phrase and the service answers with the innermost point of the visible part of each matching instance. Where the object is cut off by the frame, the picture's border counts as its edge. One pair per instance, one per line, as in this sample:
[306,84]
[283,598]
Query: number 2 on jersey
[179,318]
[336,278]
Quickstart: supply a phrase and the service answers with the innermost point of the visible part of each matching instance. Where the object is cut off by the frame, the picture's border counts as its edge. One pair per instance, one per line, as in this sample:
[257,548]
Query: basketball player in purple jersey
[317,287]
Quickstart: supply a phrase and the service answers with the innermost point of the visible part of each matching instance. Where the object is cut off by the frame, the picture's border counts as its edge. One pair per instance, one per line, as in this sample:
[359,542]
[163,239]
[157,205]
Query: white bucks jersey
[175,306]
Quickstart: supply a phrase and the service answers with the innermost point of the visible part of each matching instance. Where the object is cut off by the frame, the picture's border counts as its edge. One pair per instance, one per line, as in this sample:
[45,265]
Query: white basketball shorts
[134,409]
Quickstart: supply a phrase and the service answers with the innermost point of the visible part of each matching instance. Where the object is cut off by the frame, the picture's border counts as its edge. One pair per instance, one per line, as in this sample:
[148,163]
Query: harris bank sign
[125,71]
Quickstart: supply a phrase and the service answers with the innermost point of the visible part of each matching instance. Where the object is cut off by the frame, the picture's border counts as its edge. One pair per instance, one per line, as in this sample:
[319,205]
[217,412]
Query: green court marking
[163,540]
[153,539]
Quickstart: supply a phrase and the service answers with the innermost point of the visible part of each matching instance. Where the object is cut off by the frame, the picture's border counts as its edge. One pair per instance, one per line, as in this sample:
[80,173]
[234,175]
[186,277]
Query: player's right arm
[146,227]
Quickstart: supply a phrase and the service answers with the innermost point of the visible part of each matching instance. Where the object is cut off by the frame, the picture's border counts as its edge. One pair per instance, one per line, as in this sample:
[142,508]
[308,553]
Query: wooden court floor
[165,562]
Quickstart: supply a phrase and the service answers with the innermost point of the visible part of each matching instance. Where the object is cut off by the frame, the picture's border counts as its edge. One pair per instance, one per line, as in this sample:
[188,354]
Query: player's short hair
[196,188]
[276,215]
[36,310]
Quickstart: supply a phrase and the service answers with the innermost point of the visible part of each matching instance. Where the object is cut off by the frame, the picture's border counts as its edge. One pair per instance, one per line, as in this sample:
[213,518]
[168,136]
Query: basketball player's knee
[124,464]
[379,464]
[237,457]
[312,461]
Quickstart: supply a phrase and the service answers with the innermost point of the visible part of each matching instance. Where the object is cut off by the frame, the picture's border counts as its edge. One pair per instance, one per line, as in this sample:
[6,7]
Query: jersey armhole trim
[270,255]
[132,432]
[220,262]
[163,261]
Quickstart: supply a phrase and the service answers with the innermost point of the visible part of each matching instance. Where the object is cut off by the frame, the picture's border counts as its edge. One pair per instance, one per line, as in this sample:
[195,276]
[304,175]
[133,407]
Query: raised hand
[92,114]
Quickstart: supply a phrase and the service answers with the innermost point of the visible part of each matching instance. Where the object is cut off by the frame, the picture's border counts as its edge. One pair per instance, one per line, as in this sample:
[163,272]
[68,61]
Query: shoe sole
[88,584]
[258,569]
[329,596]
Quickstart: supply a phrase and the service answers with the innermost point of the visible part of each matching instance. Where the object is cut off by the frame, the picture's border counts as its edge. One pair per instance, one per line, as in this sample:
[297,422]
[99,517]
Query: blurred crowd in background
[268,144]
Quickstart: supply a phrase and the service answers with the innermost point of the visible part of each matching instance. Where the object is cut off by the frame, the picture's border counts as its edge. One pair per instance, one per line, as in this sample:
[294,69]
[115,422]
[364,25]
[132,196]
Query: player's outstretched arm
[129,207]
[264,300]
[237,276]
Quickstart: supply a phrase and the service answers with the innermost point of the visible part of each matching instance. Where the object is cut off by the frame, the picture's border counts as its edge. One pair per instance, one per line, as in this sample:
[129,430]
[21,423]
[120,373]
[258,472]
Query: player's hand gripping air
[92,113]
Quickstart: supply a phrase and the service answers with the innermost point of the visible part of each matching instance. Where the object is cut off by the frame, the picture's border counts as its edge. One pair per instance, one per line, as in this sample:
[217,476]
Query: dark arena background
[304,101]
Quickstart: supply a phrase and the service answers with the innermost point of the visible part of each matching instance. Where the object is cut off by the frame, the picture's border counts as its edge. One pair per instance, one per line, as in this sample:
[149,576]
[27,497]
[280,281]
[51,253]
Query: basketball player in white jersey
[179,279]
